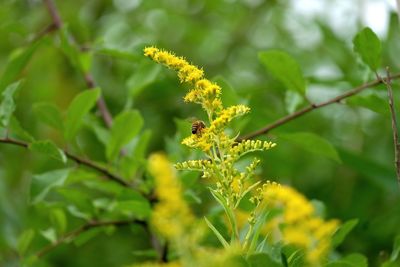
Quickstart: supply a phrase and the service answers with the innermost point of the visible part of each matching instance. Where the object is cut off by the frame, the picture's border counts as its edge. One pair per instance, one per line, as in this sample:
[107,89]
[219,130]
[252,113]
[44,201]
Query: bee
[197,127]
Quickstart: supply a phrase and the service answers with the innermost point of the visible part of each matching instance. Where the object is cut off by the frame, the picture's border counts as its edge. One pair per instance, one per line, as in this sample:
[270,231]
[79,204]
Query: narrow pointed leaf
[217,233]
[343,231]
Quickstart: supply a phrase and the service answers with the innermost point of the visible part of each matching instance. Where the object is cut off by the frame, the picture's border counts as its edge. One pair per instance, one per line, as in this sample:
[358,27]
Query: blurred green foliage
[354,179]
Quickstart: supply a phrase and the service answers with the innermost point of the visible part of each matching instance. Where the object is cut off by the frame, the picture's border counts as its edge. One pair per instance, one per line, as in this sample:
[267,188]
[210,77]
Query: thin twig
[74,233]
[388,83]
[86,162]
[101,104]
[312,107]
[55,16]
[50,28]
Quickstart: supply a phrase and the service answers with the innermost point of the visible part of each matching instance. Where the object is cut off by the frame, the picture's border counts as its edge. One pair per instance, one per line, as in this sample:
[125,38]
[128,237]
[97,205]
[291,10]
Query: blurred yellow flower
[298,224]
[171,216]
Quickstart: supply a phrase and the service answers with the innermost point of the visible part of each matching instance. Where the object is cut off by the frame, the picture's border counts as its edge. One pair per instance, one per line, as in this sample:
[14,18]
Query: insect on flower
[197,127]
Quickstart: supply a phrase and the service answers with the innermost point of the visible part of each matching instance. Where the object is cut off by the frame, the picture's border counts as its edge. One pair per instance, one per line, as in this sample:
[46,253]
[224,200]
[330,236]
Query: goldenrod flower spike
[222,151]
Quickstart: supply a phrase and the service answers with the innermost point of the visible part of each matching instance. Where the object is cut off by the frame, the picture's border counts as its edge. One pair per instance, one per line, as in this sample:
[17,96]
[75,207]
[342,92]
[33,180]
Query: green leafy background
[341,154]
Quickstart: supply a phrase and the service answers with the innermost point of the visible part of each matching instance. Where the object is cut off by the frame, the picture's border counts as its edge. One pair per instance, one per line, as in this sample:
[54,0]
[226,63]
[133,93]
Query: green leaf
[42,183]
[74,211]
[49,114]
[284,68]
[58,220]
[79,107]
[229,96]
[352,260]
[25,240]
[16,64]
[261,260]
[396,249]
[339,236]
[217,233]
[313,143]
[134,208]
[50,234]
[87,235]
[368,46]
[17,130]
[7,106]
[86,60]
[261,218]
[292,101]
[125,126]
[48,148]
[380,175]
[371,102]
[130,164]
[228,211]
[146,74]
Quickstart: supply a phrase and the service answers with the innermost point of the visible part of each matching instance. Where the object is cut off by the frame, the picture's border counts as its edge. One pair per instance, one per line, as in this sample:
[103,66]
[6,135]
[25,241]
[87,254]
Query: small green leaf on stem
[368,46]
[42,183]
[217,233]
[125,126]
[284,68]
[343,231]
[7,106]
[48,148]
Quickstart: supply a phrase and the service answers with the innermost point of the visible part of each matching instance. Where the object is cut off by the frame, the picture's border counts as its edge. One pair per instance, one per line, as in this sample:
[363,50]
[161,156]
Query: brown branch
[86,162]
[312,107]
[388,83]
[101,104]
[74,233]
[49,28]
[55,16]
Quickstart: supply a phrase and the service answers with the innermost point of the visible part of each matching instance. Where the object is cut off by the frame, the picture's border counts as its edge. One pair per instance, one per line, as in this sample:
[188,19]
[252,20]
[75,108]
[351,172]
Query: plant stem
[388,83]
[79,160]
[101,104]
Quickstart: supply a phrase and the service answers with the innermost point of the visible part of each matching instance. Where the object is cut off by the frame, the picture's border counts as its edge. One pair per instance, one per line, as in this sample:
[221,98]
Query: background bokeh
[224,38]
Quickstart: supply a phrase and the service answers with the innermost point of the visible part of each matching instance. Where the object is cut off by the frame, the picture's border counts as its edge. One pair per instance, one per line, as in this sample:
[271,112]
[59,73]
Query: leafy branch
[90,225]
[315,106]
[79,160]
[90,83]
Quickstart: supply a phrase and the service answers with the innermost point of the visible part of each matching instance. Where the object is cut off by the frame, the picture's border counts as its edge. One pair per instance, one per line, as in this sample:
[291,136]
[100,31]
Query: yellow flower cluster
[171,216]
[298,224]
[222,151]
[186,72]
[204,92]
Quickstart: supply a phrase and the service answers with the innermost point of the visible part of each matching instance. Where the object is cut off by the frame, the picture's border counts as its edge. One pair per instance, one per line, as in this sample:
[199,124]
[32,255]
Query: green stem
[248,235]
